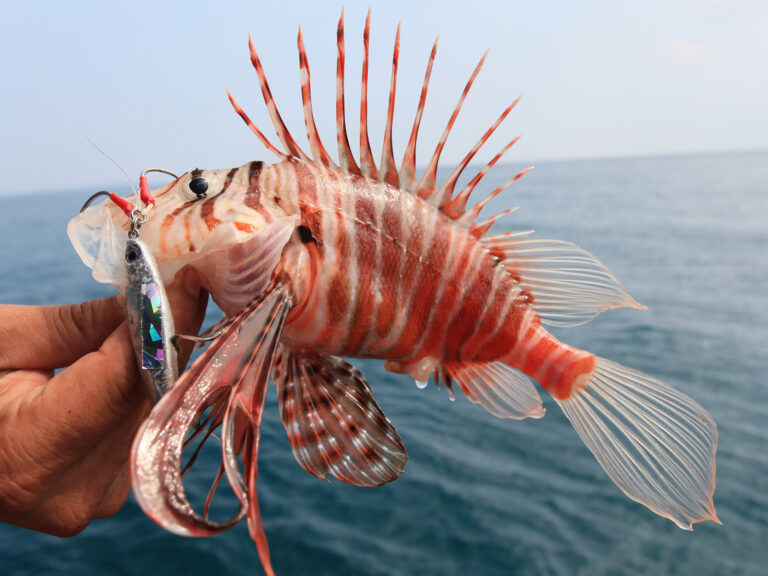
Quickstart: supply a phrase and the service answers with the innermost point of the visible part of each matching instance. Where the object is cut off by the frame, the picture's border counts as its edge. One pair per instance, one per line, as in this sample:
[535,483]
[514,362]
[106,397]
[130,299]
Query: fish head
[194,221]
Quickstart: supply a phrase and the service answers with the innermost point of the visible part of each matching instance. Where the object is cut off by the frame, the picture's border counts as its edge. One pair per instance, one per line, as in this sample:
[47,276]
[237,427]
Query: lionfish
[311,260]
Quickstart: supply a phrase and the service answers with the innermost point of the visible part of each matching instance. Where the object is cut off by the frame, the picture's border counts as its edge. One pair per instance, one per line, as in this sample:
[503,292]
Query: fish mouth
[99,239]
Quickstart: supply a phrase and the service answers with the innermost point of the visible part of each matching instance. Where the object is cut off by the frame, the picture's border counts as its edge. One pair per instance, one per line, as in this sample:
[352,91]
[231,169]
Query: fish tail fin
[657,444]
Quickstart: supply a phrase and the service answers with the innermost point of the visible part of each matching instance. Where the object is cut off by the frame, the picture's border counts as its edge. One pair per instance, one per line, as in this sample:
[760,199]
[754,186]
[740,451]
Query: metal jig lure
[146,304]
[150,319]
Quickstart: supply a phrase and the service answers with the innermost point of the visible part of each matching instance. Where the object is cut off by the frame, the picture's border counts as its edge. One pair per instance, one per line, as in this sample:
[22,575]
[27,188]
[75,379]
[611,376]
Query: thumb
[188,304]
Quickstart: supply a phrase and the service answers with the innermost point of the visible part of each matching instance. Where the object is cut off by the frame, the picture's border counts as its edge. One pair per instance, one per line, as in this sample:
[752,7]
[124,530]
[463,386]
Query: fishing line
[62,107]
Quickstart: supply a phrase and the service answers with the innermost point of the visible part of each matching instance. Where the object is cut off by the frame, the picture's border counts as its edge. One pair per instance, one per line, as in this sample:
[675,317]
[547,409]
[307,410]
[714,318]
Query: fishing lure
[312,261]
[150,320]
[146,304]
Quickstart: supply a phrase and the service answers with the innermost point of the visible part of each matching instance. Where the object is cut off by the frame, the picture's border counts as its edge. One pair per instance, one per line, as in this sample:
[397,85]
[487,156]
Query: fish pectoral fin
[498,388]
[569,285]
[333,423]
[225,386]
[245,267]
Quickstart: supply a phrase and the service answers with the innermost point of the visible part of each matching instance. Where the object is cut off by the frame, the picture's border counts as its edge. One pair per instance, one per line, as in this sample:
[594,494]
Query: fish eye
[201,187]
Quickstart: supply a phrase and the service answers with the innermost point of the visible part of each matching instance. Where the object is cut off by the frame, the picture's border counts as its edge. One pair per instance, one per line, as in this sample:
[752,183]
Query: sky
[146,80]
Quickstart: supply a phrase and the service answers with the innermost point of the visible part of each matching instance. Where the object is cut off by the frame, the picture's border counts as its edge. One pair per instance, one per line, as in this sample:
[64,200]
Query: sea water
[688,237]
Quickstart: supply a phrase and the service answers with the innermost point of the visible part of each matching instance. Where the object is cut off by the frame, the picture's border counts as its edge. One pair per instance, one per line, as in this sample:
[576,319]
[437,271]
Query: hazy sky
[145,80]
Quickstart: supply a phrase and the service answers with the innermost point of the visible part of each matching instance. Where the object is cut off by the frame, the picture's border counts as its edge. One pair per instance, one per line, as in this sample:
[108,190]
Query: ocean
[687,236]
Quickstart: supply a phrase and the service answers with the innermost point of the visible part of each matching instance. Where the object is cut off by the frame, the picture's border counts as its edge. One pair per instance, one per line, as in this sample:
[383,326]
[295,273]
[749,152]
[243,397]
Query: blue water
[688,236]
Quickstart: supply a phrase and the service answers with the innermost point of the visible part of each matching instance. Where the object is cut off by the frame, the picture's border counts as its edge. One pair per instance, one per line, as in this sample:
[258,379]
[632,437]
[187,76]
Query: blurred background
[647,125]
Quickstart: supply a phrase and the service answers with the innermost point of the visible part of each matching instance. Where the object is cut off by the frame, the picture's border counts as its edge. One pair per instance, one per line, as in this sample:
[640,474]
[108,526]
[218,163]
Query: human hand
[65,439]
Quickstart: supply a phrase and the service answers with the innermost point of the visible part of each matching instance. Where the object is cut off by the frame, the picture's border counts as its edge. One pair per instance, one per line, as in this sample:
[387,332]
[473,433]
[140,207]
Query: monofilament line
[61,105]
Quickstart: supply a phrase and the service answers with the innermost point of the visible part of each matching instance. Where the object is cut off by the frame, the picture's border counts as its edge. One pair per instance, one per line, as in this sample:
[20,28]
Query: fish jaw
[182,229]
[99,235]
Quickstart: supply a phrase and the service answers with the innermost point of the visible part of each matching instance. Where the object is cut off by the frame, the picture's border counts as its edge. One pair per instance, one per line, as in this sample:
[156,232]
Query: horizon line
[535,162]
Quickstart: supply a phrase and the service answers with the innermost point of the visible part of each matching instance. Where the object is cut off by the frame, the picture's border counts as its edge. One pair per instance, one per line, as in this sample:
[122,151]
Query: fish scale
[352,283]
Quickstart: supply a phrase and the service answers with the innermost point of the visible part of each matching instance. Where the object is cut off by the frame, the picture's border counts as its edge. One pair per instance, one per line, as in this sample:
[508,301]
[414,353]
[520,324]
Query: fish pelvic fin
[657,444]
[225,386]
[333,423]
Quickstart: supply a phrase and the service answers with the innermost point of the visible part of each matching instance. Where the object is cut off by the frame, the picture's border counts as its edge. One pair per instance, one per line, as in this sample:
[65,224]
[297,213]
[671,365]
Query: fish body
[311,260]
[392,277]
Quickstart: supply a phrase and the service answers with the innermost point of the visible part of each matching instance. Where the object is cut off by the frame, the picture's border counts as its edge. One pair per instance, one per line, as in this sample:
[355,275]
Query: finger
[48,337]
[117,493]
[16,383]
[188,303]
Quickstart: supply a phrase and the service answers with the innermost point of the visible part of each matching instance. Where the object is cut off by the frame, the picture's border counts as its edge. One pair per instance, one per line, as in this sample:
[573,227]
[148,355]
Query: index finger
[49,337]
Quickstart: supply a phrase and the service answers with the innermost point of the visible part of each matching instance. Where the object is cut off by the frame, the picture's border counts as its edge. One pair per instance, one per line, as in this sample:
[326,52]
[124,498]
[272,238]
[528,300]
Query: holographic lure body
[150,320]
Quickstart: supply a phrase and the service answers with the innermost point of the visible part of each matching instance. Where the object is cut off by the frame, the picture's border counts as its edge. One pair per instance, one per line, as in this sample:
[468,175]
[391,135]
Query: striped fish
[311,260]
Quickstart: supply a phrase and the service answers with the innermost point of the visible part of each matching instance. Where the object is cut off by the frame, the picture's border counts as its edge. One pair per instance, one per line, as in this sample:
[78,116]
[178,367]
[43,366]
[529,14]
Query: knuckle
[82,511]
[67,523]
[77,317]
[110,507]
[70,515]
[76,322]
[64,323]
[17,494]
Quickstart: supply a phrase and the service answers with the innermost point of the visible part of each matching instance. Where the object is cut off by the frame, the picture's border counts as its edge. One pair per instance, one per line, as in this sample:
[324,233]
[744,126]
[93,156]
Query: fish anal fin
[655,443]
[500,389]
[333,422]
[569,286]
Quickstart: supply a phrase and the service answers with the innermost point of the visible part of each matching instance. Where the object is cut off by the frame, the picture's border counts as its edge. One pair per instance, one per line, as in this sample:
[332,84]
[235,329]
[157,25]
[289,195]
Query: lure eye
[201,187]
[132,254]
